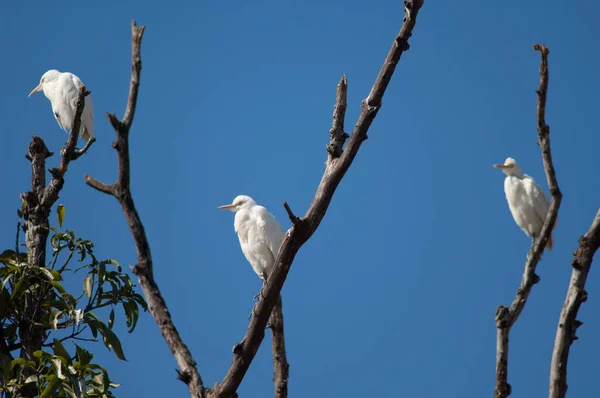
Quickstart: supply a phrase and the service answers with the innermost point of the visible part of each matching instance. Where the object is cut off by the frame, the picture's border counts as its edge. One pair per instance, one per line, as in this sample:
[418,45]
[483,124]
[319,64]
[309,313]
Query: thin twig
[306,226]
[293,218]
[506,317]
[77,154]
[144,267]
[566,332]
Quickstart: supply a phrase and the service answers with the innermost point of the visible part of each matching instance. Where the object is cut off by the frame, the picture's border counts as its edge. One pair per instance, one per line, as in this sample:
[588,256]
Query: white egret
[527,201]
[62,89]
[259,232]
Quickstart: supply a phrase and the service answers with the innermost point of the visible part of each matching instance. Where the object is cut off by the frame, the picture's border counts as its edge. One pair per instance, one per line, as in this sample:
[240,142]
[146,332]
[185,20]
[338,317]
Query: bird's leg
[257,295]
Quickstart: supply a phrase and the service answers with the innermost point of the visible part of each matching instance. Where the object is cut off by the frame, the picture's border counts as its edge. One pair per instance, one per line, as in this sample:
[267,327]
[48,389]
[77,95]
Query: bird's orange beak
[35,90]
[502,166]
[225,207]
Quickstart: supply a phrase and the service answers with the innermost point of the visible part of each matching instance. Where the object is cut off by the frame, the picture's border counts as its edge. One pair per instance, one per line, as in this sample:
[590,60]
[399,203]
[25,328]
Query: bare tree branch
[281,368]
[506,317]
[337,134]
[302,230]
[566,332]
[144,267]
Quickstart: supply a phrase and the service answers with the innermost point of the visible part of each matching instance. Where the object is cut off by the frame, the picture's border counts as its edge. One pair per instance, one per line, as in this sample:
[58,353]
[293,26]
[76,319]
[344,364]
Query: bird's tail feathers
[550,243]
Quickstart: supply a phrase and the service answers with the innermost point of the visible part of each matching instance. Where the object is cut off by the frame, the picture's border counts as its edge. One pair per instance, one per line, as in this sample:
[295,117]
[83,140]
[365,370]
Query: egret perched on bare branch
[527,201]
[62,89]
[259,232]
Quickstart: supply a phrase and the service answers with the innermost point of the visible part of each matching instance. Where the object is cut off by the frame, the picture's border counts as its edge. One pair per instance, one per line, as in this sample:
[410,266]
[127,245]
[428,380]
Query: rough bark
[568,324]
[303,228]
[281,368]
[144,267]
[506,317]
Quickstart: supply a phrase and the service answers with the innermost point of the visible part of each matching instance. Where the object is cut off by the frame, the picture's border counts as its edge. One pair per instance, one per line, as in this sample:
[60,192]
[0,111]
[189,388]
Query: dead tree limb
[144,267]
[566,332]
[506,317]
[281,368]
[336,166]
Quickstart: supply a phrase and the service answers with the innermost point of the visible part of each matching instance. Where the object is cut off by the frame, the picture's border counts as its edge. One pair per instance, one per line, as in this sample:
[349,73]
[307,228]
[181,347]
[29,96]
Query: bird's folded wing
[269,230]
[539,200]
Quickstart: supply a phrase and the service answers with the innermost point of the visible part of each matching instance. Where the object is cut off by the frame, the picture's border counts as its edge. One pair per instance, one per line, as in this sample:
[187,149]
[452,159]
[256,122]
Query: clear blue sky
[395,294]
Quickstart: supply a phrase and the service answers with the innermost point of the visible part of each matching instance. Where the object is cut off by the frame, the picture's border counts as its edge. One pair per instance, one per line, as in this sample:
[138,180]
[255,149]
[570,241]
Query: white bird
[62,89]
[259,232]
[527,201]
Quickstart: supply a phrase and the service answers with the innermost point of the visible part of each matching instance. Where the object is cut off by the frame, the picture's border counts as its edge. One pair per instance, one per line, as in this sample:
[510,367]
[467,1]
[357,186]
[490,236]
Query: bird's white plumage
[62,89]
[526,199]
[259,233]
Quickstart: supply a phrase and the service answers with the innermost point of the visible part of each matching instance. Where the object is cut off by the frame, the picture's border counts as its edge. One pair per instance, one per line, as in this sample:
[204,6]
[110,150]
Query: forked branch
[144,267]
[304,227]
[506,317]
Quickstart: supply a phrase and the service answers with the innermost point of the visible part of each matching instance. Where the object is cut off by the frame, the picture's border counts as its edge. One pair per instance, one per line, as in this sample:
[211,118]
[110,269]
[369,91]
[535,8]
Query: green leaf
[60,351]
[113,341]
[46,273]
[116,264]
[140,300]
[69,299]
[93,329]
[39,354]
[55,274]
[9,257]
[111,318]
[60,214]
[101,272]
[21,286]
[15,362]
[87,285]
[83,356]
[58,287]
[48,392]
[105,378]
[5,281]
[110,338]
[58,304]
[132,313]
[69,391]
[31,379]
[54,319]
[115,292]
[57,363]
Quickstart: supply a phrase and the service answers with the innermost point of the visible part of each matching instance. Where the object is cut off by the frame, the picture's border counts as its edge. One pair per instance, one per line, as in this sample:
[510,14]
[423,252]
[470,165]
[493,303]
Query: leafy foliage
[67,315]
